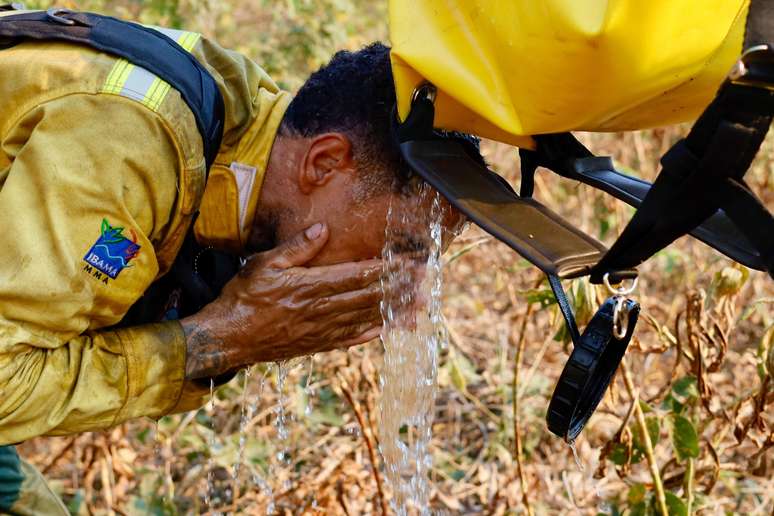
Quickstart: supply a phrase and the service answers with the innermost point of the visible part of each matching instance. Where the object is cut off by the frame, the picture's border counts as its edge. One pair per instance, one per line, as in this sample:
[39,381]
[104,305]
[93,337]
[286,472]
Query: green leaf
[728,281]
[636,494]
[142,435]
[604,227]
[685,388]
[618,455]
[675,505]
[766,354]
[105,226]
[653,423]
[770,359]
[74,505]
[544,297]
[670,403]
[685,441]
[640,509]
[457,377]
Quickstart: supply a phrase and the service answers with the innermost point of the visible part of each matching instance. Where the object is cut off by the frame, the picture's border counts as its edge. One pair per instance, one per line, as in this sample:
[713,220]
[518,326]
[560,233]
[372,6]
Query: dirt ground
[697,375]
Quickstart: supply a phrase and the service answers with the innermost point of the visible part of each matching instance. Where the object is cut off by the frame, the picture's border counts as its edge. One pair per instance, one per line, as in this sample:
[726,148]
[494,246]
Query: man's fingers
[366,336]
[346,322]
[298,250]
[356,334]
[334,279]
[368,297]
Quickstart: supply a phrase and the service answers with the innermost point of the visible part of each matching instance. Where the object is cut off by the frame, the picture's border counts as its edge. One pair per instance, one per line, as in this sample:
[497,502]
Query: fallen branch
[657,484]
[364,430]
[59,455]
[518,451]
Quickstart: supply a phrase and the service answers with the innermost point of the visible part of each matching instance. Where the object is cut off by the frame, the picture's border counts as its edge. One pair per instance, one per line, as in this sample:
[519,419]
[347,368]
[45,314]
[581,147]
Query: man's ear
[328,154]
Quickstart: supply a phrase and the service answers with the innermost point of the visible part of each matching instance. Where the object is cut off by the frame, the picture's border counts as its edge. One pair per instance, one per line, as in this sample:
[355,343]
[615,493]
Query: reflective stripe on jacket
[101,172]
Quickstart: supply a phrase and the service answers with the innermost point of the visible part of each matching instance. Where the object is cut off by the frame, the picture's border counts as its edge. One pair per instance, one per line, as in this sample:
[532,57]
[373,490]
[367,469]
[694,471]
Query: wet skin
[318,288]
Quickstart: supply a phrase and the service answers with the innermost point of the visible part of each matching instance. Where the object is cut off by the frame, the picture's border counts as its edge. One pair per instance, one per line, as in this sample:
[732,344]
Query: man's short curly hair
[353,94]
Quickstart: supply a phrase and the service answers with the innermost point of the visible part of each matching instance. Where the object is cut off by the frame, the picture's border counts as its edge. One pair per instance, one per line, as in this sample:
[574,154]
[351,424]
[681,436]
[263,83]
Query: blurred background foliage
[288,38]
[687,424]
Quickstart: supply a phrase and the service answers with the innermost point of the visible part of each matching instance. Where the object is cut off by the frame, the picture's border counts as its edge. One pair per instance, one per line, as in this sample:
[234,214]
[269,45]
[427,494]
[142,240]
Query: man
[101,179]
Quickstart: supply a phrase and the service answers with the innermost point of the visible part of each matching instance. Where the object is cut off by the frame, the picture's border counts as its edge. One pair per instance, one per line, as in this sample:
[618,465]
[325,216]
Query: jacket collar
[234,183]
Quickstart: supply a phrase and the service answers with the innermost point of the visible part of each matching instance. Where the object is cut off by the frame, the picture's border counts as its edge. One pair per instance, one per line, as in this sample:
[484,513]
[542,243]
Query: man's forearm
[206,357]
[119,375]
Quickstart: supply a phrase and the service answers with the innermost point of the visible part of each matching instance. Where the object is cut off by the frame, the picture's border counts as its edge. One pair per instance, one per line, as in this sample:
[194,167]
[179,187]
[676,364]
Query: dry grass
[324,464]
[690,323]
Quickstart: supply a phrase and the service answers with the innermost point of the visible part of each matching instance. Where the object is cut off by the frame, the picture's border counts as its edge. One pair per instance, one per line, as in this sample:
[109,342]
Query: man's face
[357,226]
[317,179]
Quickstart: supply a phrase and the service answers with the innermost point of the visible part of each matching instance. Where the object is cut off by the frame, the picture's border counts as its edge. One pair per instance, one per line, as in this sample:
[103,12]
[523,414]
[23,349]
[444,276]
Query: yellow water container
[508,69]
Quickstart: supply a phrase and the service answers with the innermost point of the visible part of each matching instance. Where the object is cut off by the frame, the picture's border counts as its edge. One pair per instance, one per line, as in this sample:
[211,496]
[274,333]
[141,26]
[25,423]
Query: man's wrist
[206,356]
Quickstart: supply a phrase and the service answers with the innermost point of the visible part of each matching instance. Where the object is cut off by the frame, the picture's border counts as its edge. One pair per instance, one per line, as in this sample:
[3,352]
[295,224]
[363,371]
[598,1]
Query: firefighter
[131,275]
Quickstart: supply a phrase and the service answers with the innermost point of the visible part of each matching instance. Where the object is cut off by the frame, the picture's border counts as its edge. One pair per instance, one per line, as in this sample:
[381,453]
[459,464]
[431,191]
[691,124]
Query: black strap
[564,307]
[141,46]
[759,29]
[695,179]
[755,221]
[195,279]
[703,172]
[565,155]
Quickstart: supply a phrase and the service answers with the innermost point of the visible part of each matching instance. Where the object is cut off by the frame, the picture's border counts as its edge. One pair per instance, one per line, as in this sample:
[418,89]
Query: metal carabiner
[620,310]
[620,318]
[54,15]
[754,68]
[620,291]
[426,89]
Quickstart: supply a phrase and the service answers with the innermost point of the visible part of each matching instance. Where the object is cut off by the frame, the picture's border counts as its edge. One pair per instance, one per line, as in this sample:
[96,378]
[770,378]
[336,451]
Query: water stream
[413,332]
[308,389]
[212,445]
[245,415]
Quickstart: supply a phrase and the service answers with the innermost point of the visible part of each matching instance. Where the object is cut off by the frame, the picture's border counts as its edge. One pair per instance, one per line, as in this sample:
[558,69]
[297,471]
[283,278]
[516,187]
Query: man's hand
[276,309]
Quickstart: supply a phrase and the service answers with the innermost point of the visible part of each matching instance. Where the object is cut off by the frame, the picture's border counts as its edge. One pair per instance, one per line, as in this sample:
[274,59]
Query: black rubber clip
[591,367]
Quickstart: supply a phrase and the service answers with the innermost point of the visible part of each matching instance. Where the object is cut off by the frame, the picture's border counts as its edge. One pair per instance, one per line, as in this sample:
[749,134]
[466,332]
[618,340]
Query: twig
[364,431]
[536,362]
[59,455]
[518,451]
[480,406]
[340,498]
[689,485]
[658,485]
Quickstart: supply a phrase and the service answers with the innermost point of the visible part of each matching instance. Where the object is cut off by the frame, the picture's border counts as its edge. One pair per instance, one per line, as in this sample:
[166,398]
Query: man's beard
[263,235]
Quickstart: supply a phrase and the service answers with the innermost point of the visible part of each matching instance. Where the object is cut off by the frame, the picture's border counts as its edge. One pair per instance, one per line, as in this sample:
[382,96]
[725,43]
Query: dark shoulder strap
[195,279]
[139,45]
[704,172]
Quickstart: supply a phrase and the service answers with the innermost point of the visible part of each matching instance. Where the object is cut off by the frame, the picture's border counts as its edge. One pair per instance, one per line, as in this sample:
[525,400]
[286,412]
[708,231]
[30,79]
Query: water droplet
[244,416]
[308,389]
[575,455]
[281,422]
[211,445]
[264,487]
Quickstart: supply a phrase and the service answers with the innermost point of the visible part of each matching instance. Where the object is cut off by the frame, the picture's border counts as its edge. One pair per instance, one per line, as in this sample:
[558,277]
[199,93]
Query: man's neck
[263,235]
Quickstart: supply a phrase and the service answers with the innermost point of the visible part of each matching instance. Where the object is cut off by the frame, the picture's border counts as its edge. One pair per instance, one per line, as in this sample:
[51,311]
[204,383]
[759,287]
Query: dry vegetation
[703,356]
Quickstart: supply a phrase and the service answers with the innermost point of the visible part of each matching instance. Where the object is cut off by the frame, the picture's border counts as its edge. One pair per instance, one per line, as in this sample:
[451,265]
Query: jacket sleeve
[91,186]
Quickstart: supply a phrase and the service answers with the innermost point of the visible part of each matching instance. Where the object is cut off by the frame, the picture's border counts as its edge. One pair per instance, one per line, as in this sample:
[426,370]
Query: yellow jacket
[101,171]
